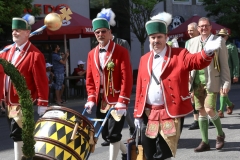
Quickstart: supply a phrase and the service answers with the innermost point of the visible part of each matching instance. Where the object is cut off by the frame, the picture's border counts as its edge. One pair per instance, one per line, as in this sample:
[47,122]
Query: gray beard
[101,42]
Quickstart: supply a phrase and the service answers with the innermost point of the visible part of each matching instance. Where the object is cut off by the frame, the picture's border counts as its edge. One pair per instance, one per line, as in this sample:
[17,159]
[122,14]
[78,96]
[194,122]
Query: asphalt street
[188,141]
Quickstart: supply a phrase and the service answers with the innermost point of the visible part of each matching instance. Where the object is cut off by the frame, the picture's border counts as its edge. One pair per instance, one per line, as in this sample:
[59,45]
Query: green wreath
[26,105]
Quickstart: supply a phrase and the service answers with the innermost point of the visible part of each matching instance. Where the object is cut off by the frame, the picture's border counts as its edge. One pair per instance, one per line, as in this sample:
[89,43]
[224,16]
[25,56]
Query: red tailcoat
[31,64]
[173,80]
[122,74]
[1,81]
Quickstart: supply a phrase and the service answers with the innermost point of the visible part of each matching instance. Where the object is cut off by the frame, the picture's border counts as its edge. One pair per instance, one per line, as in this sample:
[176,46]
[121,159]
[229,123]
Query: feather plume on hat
[163,16]
[107,14]
[29,18]
[159,23]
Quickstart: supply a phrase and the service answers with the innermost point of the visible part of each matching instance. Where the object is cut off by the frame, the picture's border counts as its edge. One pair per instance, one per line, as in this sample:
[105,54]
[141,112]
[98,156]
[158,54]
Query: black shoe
[124,156]
[194,125]
[2,110]
[105,143]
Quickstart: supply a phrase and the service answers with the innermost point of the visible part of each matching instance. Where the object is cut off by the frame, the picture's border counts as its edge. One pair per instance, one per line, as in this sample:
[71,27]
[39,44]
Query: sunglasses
[103,32]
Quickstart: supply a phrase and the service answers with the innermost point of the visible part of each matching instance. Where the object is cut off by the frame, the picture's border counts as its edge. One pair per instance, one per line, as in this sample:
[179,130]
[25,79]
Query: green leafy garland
[26,105]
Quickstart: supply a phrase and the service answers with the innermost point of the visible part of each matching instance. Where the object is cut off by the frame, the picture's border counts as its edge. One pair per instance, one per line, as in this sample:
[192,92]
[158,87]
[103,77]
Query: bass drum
[63,134]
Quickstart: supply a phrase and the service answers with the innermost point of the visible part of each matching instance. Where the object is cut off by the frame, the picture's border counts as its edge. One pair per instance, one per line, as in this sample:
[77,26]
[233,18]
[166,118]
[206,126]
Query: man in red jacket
[109,83]
[1,89]
[30,62]
[162,95]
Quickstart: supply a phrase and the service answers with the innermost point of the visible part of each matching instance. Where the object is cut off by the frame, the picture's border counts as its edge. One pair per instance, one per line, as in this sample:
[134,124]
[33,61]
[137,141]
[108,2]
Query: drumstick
[92,141]
[75,129]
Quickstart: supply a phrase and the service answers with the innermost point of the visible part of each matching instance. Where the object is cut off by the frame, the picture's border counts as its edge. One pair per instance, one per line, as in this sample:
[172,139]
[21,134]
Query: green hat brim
[100,23]
[19,23]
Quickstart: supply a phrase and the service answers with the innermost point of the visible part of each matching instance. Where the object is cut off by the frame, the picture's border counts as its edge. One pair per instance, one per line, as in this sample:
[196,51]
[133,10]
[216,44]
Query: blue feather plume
[107,14]
[29,18]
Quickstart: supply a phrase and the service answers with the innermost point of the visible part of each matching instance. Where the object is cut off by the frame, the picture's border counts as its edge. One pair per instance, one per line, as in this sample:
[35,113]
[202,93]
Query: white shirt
[17,53]
[102,60]
[14,59]
[155,95]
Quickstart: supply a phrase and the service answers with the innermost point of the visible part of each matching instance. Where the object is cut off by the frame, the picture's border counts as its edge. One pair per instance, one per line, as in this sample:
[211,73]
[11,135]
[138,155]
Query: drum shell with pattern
[53,134]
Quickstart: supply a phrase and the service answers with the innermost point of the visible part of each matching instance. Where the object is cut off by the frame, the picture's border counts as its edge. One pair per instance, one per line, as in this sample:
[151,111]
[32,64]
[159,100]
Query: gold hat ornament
[223,32]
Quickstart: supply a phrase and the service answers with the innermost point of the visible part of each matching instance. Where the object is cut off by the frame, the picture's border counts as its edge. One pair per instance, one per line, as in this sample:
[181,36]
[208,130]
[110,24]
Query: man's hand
[212,45]
[224,91]
[41,110]
[120,109]
[67,54]
[138,122]
[89,106]
[235,79]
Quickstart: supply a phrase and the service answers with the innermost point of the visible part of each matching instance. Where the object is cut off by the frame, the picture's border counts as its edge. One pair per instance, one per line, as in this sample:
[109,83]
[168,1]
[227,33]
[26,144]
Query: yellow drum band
[60,133]
[49,150]
[53,137]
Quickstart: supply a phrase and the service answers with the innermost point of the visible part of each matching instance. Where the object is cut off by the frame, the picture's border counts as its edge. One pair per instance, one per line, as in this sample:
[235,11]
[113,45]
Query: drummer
[109,82]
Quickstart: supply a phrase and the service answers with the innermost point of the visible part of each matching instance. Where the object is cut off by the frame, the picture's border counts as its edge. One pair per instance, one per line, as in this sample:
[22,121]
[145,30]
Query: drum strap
[155,78]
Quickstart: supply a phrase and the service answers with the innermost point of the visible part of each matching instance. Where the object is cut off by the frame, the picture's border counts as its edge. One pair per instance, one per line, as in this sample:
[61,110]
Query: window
[188,2]
[199,2]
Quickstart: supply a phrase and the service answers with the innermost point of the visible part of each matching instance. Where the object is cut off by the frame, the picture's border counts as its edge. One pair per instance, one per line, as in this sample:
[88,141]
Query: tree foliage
[99,3]
[13,8]
[139,12]
[226,13]
[26,103]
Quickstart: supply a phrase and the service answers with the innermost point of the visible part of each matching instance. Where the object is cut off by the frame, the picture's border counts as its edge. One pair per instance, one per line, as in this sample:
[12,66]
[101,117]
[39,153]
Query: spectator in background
[233,63]
[50,75]
[207,82]
[59,63]
[121,42]
[51,78]
[80,71]
[193,32]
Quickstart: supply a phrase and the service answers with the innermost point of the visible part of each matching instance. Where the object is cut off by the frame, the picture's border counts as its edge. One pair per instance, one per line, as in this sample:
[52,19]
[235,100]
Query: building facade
[182,10]
[80,47]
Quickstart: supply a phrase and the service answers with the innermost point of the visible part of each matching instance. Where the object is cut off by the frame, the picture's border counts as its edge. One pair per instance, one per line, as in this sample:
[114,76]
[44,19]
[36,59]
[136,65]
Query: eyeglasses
[103,32]
[206,26]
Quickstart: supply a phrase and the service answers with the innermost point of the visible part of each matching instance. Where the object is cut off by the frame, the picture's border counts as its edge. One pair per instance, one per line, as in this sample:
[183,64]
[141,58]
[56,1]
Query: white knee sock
[18,150]
[123,147]
[113,150]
